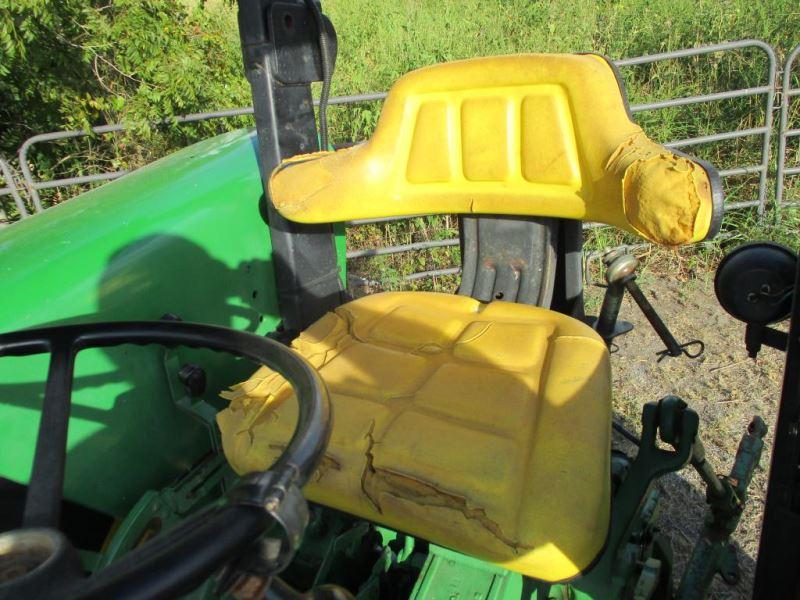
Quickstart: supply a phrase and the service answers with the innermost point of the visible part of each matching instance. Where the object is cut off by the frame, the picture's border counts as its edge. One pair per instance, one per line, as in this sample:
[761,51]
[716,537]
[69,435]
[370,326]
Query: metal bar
[372,96]
[686,52]
[434,273]
[53,183]
[787,92]
[741,171]
[362,280]
[203,116]
[356,222]
[593,225]
[742,204]
[713,97]
[402,248]
[11,188]
[768,113]
[718,137]
[410,277]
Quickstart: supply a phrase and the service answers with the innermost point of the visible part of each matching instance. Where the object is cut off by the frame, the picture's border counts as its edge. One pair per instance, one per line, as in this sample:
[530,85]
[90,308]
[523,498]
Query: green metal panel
[448,575]
[184,235]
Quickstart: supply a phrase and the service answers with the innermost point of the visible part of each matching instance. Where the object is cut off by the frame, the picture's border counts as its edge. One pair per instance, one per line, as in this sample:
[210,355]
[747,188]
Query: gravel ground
[724,386]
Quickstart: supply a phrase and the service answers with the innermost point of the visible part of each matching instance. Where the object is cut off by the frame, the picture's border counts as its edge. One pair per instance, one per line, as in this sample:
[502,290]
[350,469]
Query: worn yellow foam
[481,427]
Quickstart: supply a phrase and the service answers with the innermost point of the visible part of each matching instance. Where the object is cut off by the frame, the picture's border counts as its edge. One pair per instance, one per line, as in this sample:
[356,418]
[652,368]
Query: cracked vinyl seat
[483,427]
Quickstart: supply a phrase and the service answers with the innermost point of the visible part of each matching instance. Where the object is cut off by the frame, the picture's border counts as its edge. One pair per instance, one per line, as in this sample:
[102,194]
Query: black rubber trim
[717,193]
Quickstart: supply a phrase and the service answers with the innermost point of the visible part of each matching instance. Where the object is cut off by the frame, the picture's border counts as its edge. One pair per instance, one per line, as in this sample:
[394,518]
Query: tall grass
[383,39]
[380,40]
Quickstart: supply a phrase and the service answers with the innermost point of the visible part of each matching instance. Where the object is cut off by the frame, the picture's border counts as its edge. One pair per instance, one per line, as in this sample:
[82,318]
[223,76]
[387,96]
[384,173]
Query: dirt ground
[724,386]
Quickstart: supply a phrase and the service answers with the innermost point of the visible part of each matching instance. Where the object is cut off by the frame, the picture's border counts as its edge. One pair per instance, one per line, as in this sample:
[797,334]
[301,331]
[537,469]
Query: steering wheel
[38,560]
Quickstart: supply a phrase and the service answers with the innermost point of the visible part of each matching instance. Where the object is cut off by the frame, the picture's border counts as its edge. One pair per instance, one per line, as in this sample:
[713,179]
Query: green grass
[381,40]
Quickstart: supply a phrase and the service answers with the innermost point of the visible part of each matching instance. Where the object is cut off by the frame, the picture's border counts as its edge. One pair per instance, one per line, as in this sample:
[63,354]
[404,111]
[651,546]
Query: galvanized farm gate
[23,187]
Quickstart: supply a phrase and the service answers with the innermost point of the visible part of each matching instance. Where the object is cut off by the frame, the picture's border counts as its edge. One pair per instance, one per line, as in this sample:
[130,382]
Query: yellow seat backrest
[542,135]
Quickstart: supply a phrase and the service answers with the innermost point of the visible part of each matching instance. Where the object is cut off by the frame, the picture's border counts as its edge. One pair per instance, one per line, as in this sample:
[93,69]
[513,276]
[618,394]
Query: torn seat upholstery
[483,427]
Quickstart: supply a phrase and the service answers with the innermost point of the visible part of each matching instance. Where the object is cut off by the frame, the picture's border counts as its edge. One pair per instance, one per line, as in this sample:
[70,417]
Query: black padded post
[280,46]
[568,292]
[530,260]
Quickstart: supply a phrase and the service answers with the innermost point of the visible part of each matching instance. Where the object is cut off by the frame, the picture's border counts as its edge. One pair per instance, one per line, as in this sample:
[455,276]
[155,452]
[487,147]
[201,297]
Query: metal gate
[762,130]
[10,188]
[27,200]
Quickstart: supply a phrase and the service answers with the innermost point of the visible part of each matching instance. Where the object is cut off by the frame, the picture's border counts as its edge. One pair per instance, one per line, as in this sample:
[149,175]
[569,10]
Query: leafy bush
[76,63]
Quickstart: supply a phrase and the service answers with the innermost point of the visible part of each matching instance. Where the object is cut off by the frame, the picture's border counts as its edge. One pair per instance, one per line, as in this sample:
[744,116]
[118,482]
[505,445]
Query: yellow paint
[481,427]
[544,135]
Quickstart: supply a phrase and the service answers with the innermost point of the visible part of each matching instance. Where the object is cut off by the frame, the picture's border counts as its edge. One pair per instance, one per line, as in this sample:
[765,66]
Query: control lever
[621,276]
[726,497]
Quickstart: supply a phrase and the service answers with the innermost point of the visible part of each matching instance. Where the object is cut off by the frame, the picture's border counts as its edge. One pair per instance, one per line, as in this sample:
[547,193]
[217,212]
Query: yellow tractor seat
[539,135]
[481,427]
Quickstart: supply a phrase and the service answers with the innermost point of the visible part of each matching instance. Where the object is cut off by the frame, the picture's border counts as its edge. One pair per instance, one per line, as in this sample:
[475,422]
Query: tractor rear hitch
[621,276]
[675,424]
[726,497]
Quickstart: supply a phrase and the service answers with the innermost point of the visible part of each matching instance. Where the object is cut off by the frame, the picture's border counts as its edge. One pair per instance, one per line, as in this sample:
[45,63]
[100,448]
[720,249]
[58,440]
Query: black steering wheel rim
[184,556]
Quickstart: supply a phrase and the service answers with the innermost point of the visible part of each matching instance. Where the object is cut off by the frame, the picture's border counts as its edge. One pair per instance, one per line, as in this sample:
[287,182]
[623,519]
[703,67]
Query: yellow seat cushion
[535,134]
[481,427]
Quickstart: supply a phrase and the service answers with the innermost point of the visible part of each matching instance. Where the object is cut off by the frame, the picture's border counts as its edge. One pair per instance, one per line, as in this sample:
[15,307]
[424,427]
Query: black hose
[175,563]
[327,72]
[626,433]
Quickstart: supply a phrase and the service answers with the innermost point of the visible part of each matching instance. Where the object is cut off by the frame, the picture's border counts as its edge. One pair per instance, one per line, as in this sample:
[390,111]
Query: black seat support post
[282,57]
[620,268]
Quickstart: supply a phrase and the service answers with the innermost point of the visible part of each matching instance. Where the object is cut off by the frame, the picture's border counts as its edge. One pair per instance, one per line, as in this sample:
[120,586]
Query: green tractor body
[181,237]
[192,238]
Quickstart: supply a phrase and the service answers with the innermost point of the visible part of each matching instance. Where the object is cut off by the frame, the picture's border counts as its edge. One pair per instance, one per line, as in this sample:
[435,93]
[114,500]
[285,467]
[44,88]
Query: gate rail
[33,185]
[11,189]
[787,93]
